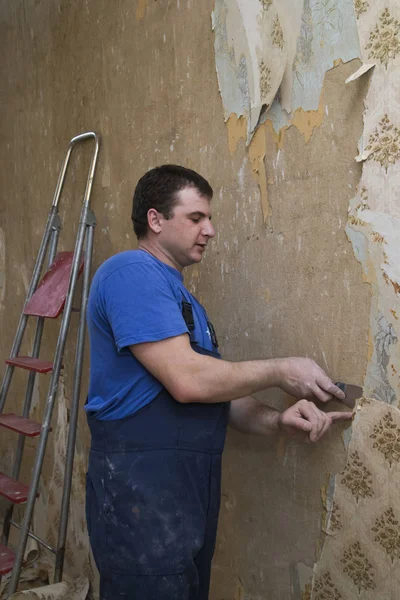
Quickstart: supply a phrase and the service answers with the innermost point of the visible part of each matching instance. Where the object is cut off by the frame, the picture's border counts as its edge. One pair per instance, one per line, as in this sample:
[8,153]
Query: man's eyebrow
[198,213]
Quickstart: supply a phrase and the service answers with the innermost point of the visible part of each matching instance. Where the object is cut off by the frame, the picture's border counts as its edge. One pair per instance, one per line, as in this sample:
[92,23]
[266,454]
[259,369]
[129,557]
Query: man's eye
[195,220]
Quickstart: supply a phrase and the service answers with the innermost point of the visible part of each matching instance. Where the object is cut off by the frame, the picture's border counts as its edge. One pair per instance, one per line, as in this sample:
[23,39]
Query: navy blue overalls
[153,496]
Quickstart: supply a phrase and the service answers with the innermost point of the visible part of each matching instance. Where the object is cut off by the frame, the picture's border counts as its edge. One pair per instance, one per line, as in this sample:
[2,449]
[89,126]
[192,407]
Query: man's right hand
[303,378]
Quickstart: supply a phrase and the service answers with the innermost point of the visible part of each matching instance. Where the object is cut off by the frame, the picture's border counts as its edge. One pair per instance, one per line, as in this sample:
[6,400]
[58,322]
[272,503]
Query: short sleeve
[141,305]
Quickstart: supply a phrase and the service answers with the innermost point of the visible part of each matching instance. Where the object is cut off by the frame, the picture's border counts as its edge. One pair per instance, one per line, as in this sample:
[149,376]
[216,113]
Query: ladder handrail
[61,178]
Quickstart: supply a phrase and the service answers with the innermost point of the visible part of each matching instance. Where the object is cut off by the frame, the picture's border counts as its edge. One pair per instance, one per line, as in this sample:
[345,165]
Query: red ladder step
[49,298]
[13,490]
[31,364]
[7,558]
[20,425]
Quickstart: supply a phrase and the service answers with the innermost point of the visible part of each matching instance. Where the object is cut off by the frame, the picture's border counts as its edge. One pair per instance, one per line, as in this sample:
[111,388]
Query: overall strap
[187,313]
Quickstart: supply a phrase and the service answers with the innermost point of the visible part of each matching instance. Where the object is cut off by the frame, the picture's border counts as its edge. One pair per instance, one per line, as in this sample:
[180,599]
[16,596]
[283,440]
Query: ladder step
[20,425]
[7,558]
[13,490]
[49,298]
[32,364]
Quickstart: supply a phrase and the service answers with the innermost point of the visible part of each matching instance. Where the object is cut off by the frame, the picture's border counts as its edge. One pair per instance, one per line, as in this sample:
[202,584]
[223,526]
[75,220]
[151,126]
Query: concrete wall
[281,277]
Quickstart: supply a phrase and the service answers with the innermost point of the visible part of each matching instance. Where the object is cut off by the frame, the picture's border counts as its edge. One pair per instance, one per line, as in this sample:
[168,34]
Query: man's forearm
[248,415]
[193,377]
[211,380]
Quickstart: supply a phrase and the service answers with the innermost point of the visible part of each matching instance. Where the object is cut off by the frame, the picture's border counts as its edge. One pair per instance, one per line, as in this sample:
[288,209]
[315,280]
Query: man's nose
[209,230]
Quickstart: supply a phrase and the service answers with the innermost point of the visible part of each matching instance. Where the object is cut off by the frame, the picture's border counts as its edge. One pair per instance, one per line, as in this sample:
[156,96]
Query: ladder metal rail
[69,462]
[85,231]
[34,537]
[89,182]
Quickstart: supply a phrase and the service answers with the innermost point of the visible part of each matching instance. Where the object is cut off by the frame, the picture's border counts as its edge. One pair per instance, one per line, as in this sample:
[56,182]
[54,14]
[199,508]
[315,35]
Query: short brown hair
[158,189]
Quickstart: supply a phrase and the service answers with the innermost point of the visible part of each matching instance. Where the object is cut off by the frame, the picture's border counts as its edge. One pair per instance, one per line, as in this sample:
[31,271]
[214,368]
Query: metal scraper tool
[353,393]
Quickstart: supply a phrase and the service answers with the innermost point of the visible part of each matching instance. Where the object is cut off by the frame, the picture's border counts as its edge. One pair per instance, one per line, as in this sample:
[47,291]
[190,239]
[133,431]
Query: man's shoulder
[127,260]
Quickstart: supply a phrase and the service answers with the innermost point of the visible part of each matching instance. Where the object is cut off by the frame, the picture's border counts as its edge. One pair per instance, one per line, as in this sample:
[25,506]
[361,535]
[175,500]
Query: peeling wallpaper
[328,31]
[374,215]
[360,555]
[297,42]
[271,59]
[250,56]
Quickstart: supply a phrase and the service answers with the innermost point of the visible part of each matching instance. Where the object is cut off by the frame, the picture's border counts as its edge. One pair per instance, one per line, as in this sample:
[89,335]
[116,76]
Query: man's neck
[158,253]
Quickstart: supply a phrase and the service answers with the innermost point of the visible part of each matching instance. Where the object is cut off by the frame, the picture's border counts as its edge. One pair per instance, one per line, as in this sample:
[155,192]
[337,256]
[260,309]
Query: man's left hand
[304,417]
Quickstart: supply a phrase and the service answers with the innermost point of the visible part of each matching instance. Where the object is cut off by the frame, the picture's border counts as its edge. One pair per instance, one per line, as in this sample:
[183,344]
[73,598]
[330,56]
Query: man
[160,398]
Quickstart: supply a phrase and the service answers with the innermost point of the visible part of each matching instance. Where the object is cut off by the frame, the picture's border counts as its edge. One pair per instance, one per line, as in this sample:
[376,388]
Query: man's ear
[154,219]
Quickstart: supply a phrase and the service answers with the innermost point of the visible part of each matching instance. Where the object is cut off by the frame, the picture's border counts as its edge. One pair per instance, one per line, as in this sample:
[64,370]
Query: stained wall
[254,97]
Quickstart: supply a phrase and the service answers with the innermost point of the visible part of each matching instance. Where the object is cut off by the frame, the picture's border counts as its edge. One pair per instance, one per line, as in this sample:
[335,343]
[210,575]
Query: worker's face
[185,235]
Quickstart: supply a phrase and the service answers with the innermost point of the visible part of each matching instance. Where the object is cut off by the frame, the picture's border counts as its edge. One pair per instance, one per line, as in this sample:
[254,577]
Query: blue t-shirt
[134,298]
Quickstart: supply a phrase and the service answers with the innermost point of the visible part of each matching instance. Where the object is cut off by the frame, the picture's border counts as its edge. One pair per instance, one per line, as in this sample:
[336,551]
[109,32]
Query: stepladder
[51,294]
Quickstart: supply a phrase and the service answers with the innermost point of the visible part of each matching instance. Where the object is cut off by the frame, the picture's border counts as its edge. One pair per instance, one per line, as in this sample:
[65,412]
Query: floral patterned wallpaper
[374,225]
[360,558]
[361,553]
[384,39]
